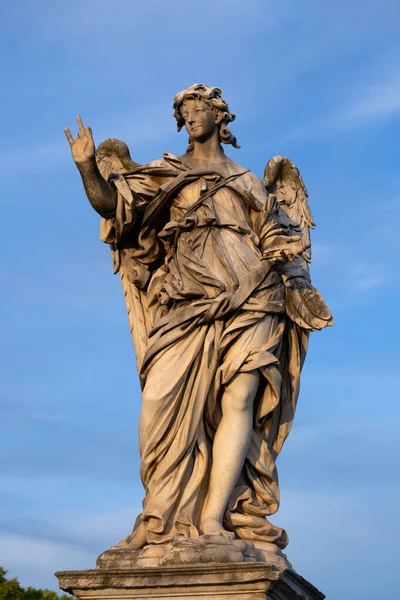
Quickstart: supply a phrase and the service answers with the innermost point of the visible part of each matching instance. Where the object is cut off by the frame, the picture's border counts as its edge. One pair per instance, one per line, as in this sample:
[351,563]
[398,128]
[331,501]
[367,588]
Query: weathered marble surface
[207,567]
[187,551]
[214,263]
[232,581]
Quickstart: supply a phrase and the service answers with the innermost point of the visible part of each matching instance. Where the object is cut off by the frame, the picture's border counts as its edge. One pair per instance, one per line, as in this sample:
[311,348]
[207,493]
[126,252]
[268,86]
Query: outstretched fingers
[82,129]
[80,125]
[69,136]
[88,132]
[83,132]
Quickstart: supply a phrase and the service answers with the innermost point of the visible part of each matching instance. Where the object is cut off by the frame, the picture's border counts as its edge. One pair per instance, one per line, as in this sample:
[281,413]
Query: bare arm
[102,196]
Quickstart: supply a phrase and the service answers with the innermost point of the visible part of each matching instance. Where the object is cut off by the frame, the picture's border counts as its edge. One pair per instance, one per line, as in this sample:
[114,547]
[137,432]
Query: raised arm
[102,196]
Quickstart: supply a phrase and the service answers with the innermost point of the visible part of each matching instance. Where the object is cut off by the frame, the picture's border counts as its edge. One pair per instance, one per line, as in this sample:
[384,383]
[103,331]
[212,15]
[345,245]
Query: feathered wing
[304,304]
[112,156]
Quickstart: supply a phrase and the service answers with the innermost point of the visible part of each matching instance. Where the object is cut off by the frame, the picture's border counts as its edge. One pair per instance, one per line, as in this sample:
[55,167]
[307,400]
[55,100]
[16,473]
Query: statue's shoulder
[158,162]
[250,180]
[168,161]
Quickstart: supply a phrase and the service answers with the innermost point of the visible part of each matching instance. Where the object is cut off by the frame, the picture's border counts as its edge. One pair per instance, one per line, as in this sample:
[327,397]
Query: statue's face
[200,119]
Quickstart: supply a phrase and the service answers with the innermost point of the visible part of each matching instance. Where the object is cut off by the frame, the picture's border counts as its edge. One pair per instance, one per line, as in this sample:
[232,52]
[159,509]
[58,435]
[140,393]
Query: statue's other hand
[299,283]
[305,305]
[284,248]
[82,147]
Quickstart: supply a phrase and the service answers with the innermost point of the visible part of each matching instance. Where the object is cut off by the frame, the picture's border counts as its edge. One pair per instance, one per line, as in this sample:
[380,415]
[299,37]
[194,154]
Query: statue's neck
[208,151]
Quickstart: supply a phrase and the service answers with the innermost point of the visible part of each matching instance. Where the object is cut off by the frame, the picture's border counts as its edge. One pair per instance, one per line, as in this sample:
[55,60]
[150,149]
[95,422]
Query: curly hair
[212,97]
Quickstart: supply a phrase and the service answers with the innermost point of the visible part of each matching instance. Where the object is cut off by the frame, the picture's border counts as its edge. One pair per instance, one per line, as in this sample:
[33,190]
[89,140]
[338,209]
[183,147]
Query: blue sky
[316,81]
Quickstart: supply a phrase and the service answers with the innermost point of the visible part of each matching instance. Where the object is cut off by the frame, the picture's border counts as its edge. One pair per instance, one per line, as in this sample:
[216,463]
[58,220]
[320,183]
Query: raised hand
[82,147]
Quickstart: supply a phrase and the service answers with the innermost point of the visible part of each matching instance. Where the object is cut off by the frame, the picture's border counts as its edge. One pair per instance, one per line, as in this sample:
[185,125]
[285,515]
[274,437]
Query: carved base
[185,551]
[206,567]
[232,581]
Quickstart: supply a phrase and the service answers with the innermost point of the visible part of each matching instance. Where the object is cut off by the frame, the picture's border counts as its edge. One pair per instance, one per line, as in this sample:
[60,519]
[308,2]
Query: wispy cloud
[34,157]
[34,560]
[155,123]
[368,102]
[392,205]
[375,101]
[34,549]
[342,268]
[365,276]
[322,254]
[98,17]
[326,532]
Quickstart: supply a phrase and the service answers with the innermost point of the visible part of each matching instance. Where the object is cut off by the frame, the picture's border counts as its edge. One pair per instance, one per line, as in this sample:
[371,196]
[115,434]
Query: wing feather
[138,317]
[304,304]
[306,210]
[282,178]
[113,156]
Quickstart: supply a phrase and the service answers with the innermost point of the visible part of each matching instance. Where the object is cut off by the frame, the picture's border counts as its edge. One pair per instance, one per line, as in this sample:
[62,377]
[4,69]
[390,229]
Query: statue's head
[201,110]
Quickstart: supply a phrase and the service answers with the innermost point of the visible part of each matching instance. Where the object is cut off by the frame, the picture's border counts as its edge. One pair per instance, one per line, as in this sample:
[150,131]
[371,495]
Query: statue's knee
[240,393]
[237,398]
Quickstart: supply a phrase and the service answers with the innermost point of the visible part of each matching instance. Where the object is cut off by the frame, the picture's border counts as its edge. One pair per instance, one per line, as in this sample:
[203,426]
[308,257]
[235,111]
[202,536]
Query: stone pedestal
[231,581]
[202,568]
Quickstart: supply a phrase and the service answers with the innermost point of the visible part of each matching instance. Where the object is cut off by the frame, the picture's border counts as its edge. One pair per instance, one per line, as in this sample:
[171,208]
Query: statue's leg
[230,447]
[173,447]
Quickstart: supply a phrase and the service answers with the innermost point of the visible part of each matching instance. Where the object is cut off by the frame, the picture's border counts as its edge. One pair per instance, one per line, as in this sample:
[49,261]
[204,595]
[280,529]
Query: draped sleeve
[265,221]
[134,192]
[274,231]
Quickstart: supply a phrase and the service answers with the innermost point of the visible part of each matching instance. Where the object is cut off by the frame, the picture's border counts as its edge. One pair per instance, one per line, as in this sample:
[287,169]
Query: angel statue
[214,264]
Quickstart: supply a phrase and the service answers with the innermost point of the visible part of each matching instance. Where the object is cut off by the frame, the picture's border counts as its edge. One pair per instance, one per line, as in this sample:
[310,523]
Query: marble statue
[214,263]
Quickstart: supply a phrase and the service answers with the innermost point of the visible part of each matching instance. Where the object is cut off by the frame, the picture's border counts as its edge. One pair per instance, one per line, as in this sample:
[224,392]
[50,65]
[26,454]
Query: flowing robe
[196,242]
